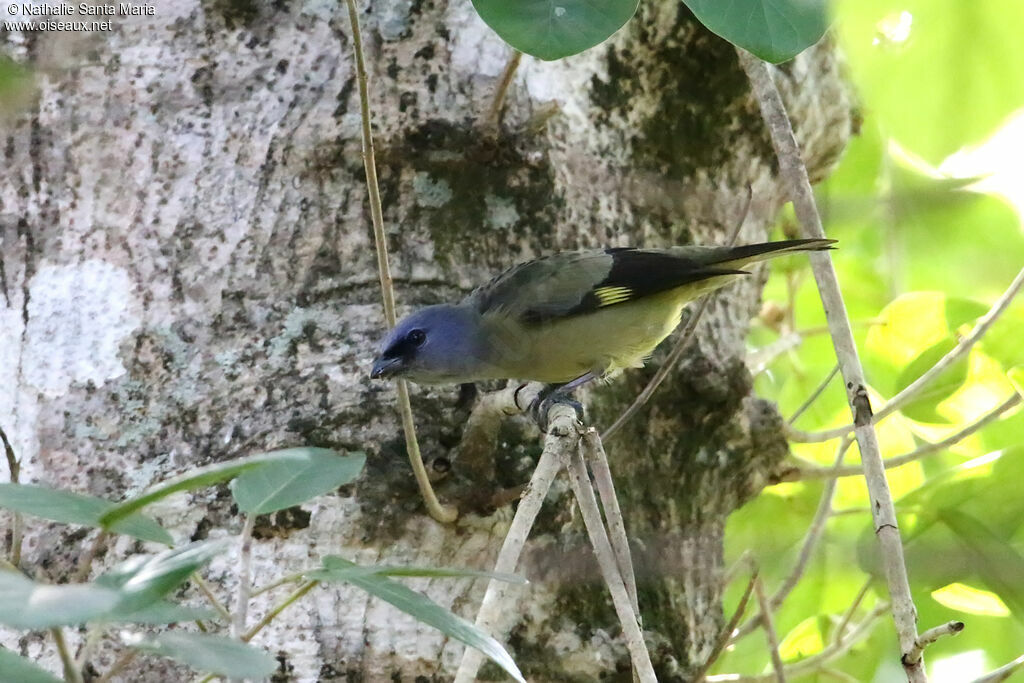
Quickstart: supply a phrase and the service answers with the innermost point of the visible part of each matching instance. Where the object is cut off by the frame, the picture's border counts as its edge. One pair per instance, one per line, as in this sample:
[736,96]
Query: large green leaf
[552,29]
[422,608]
[279,485]
[998,564]
[938,74]
[924,406]
[26,604]
[15,668]
[774,30]
[213,654]
[76,508]
[202,477]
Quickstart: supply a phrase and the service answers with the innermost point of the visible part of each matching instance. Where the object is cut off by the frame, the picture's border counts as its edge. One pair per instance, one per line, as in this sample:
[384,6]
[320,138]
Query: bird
[567,318]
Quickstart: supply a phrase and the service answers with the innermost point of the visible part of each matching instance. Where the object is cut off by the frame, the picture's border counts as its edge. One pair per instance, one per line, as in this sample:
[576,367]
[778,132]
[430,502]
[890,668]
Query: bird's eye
[416,337]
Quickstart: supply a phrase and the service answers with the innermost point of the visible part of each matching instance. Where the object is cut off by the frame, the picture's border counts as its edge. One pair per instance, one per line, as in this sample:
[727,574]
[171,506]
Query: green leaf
[960,596]
[937,74]
[422,608]
[142,580]
[202,477]
[774,30]
[25,604]
[279,485]
[998,564]
[14,667]
[213,654]
[552,29]
[76,508]
[339,569]
[924,406]
[163,612]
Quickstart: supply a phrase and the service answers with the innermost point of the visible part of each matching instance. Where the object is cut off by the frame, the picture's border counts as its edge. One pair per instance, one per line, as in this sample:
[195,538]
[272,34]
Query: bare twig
[205,589]
[814,533]
[899,400]
[950,628]
[818,391]
[725,635]
[1003,672]
[493,122]
[594,454]
[811,472]
[793,171]
[559,438]
[441,513]
[244,577]
[769,631]
[591,514]
[278,608]
[71,672]
[840,631]
[118,666]
[14,466]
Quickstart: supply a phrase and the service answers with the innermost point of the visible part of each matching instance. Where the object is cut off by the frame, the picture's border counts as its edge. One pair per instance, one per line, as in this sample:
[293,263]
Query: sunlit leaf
[552,29]
[923,407]
[960,596]
[774,30]
[803,640]
[425,610]
[279,485]
[998,564]
[14,667]
[76,508]
[210,653]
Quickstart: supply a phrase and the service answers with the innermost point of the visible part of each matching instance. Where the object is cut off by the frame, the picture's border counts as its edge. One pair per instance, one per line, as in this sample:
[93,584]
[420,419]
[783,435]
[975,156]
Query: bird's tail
[737,257]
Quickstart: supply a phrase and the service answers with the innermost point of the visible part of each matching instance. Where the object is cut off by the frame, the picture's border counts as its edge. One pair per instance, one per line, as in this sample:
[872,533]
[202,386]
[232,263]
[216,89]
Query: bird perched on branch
[567,318]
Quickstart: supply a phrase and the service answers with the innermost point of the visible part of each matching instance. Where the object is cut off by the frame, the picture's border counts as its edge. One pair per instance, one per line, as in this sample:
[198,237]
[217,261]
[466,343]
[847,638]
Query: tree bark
[188,276]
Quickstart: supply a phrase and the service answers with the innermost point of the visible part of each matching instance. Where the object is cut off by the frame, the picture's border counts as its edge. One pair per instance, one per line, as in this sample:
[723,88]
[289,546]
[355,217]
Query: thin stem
[205,589]
[498,103]
[291,578]
[14,466]
[116,668]
[244,577]
[92,638]
[495,601]
[794,173]
[71,672]
[950,628]
[591,514]
[1003,672]
[899,400]
[809,472]
[725,635]
[818,391]
[85,565]
[437,511]
[278,608]
[769,631]
[851,610]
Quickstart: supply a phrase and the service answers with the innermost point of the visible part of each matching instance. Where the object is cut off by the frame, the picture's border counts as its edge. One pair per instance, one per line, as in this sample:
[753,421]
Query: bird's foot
[541,406]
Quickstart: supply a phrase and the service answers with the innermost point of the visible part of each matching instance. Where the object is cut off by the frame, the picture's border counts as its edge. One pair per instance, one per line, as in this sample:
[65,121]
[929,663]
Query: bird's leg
[559,393]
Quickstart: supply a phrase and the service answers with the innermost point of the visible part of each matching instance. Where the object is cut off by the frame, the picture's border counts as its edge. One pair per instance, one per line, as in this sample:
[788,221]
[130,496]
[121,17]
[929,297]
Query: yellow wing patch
[606,296]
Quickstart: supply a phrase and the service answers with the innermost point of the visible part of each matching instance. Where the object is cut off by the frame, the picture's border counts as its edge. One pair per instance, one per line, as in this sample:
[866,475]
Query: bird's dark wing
[573,283]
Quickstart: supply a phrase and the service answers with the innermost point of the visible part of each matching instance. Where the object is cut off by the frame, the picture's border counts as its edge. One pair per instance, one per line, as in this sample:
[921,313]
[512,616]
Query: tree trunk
[188,275]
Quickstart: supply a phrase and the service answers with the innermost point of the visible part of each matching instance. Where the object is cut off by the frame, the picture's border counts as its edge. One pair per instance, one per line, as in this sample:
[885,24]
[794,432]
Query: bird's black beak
[385,367]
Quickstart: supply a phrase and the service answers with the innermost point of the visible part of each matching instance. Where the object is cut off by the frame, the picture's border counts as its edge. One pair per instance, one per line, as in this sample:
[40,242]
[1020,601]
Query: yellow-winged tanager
[566,318]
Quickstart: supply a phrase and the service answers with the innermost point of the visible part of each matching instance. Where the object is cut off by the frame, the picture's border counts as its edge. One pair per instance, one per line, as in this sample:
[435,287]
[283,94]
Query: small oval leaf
[278,485]
[774,30]
[552,29]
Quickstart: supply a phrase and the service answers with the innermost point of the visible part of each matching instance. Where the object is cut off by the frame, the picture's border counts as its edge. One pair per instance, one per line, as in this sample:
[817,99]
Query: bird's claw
[542,405]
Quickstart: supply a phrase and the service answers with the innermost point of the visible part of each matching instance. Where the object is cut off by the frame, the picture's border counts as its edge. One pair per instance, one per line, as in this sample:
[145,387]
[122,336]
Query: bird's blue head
[435,345]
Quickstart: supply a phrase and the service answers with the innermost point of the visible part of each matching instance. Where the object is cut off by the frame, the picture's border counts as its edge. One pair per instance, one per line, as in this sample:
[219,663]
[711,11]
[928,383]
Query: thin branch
[769,631]
[591,514]
[851,610]
[818,391]
[950,628]
[594,454]
[85,564]
[680,347]
[244,577]
[1003,672]
[725,635]
[794,173]
[71,672]
[493,121]
[291,578]
[437,511]
[205,589]
[14,466]
[277,609]
[118,666]
[814,534]
[899,400]
[495,601]
[812,472]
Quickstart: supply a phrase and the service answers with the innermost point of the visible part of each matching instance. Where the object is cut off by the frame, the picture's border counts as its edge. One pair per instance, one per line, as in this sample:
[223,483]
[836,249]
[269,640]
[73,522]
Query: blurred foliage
[921,256]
